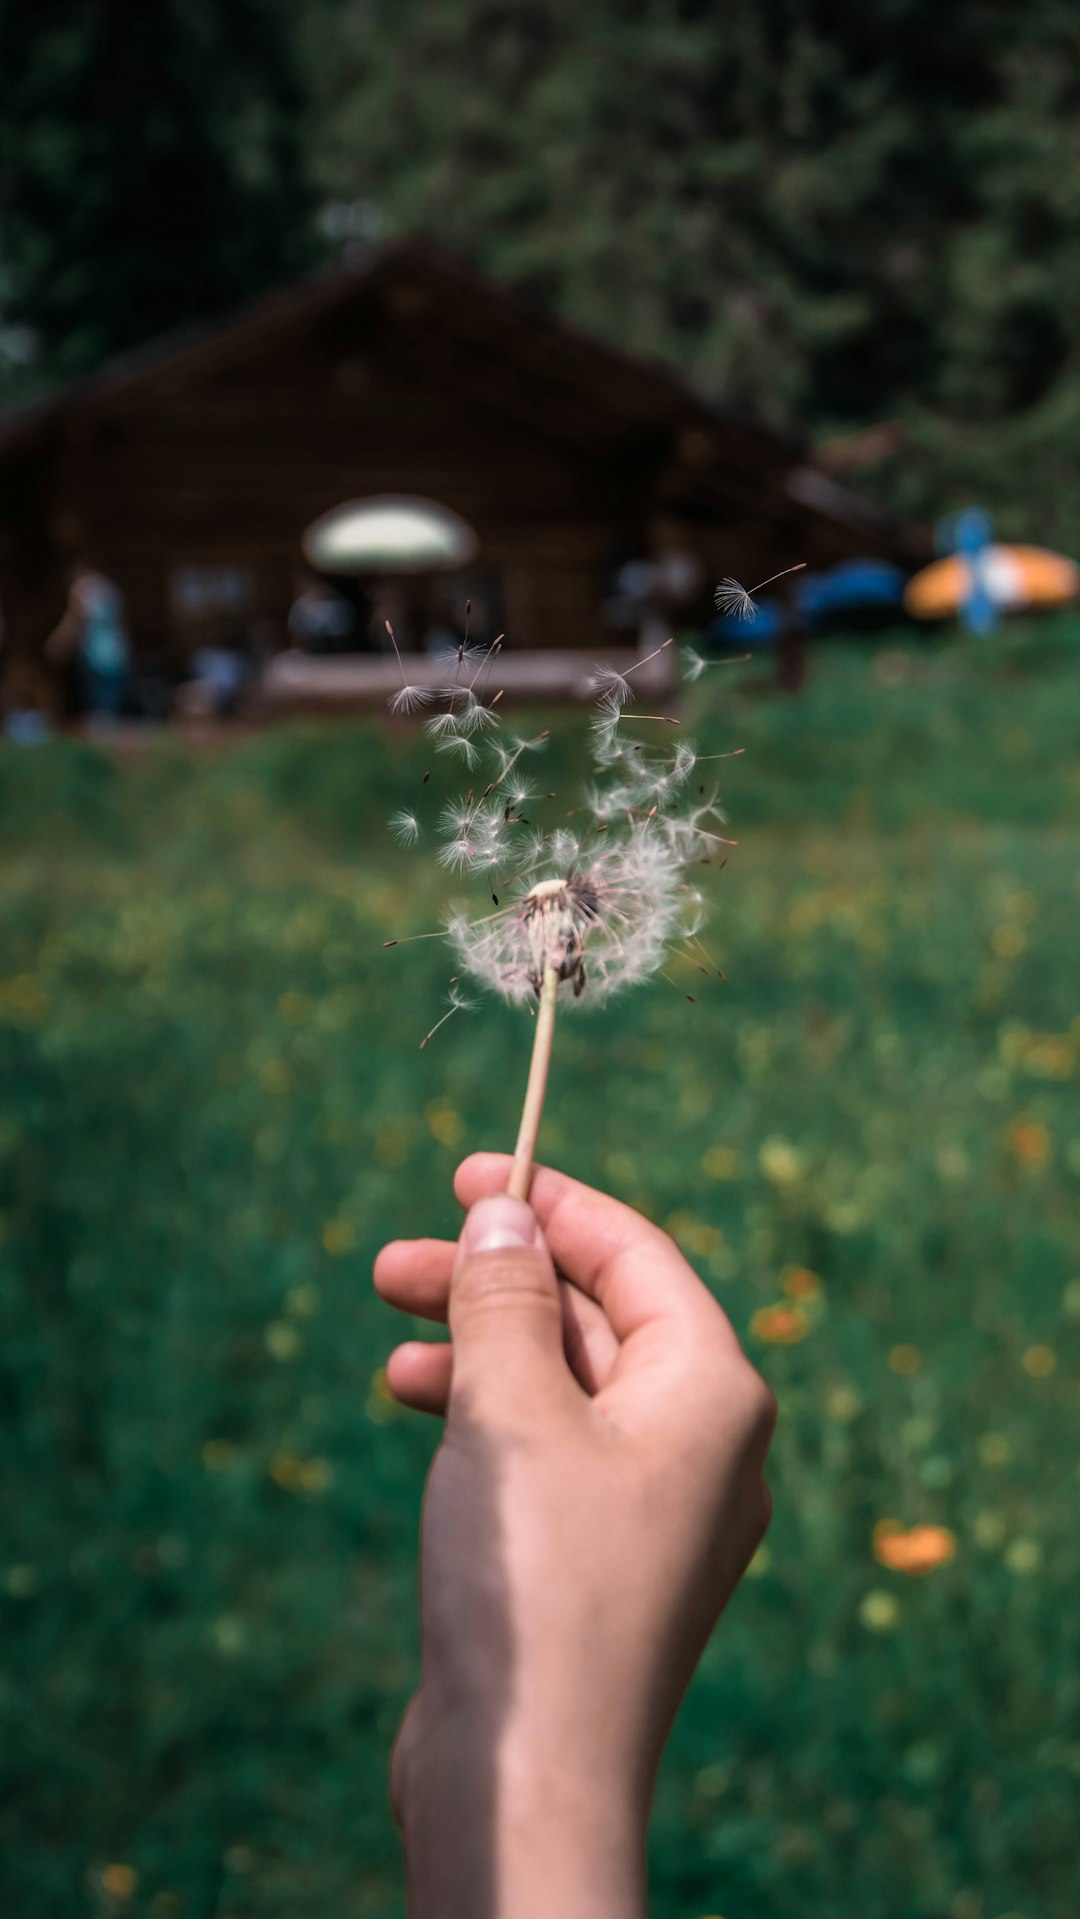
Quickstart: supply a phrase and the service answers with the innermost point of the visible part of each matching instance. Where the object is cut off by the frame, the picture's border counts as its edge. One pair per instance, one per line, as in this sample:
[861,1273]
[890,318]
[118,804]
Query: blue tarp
[817,600]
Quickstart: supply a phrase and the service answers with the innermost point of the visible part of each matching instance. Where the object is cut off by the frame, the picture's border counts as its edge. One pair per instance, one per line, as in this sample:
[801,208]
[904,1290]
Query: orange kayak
[1013,577]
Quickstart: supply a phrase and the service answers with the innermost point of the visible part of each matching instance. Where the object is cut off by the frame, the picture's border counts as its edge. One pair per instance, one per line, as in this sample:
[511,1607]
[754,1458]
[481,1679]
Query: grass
[215,1109]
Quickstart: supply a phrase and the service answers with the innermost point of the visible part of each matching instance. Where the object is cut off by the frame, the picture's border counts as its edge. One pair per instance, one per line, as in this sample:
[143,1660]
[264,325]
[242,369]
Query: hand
[597,1494]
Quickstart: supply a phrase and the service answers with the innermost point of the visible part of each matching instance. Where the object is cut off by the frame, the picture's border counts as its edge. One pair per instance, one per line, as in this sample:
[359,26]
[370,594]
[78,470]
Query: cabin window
[211,605]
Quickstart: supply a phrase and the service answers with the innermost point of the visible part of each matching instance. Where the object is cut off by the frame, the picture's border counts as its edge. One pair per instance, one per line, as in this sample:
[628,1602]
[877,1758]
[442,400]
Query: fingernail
[497,1222]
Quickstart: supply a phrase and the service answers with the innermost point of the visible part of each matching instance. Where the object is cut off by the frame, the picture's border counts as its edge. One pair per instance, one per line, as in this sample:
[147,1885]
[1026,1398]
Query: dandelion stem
[521,1170]
[782,575]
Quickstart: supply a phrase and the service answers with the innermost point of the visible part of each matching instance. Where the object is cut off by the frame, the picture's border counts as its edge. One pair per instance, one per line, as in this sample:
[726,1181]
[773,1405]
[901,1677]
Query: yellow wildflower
[1039,1361]
[338,1237]
[905,1360]
[119,1882]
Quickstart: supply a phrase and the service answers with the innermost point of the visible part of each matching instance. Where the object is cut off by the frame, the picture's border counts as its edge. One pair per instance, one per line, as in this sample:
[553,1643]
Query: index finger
[630,1266]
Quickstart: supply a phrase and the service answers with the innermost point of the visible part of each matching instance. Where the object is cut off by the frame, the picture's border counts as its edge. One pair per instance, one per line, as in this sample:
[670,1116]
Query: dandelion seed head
[602,925]
[601,899]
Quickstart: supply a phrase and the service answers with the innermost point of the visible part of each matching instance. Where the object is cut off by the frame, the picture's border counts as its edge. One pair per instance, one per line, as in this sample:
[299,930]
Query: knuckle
[765,1511]
[743,1405]
[401,1762]
[497,1280]
[762,1407]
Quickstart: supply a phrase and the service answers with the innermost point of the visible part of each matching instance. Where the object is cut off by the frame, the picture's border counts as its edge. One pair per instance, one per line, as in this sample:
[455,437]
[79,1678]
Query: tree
[151,167]
[836,215]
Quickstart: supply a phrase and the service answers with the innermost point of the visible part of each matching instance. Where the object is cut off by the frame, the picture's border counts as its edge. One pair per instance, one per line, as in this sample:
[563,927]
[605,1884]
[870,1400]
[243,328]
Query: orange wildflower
[781,1325]
[119,1881]
[801,1283]
[1029,1141]
[916,1551]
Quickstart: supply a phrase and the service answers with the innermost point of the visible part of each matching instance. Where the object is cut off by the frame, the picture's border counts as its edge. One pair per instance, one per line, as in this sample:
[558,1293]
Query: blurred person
[25,702]
[90,646]
[223,678]
[324,619]
[597,1495]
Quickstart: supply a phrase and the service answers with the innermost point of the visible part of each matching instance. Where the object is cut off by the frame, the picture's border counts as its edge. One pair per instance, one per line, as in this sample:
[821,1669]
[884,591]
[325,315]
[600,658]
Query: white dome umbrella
[389,535]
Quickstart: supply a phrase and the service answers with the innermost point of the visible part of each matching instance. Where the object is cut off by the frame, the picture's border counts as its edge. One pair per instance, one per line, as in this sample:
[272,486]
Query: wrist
[493,1823]
[571,1832]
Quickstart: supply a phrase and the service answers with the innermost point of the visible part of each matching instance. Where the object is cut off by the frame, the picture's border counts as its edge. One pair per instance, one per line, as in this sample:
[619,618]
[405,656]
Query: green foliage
[214,1110]
[836,215]
[151,169]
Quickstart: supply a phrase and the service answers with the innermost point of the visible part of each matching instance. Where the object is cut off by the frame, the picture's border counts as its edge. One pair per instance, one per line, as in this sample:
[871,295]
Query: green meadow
[213,1109]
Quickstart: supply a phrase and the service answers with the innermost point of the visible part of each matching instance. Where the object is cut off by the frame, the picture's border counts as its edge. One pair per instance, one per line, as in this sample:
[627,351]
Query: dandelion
[582,911]
[738,602]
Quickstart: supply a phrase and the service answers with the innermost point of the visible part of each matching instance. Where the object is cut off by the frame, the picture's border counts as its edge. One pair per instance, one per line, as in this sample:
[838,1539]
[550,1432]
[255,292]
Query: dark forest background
[847,217]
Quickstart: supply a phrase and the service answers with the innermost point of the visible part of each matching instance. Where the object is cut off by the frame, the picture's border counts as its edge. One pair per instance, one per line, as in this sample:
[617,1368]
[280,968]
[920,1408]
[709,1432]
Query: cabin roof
[497,344]
[607,383]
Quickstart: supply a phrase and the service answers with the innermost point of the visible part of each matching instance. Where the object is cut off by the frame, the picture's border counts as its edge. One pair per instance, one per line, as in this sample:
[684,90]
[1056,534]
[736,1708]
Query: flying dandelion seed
[408,698]
[406,828]
[457,1004]
[475,717]
[462,746]
[695,664]
[734,601]
[738,602]
[610,687]
[441,724]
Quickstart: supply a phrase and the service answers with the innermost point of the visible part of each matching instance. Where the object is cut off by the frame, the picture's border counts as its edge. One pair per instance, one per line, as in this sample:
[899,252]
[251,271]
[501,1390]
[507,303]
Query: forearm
[490,1834]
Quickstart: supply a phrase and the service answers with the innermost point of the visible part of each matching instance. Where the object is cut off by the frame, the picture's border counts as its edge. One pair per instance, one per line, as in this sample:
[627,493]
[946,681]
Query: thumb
[505,1312]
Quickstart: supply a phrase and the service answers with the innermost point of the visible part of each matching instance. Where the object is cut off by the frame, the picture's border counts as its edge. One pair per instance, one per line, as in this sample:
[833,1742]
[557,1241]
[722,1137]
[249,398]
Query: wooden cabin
[188,471]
